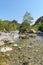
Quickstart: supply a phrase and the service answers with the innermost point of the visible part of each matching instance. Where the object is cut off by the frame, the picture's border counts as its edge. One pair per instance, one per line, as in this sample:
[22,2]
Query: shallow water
[27,52]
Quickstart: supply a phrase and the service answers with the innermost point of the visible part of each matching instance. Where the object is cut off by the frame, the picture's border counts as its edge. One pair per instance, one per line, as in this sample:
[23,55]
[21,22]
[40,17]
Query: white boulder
[5,49]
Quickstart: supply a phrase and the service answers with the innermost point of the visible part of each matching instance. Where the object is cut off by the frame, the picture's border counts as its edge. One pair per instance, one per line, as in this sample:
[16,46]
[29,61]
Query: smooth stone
[20,47]
[15,45]
[1,43]
[5,49]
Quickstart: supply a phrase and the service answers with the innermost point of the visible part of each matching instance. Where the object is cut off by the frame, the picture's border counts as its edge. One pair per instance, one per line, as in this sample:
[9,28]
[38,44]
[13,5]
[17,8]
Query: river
[24,52]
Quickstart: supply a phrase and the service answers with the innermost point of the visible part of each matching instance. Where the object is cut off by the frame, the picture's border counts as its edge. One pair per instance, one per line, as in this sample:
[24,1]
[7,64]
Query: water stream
[24,52]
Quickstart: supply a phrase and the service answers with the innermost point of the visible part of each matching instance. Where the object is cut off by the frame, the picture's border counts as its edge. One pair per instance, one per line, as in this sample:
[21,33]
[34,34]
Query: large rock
[23,36]
[23,31]
[9,37]
[32,31]
[32,35]
[14,34]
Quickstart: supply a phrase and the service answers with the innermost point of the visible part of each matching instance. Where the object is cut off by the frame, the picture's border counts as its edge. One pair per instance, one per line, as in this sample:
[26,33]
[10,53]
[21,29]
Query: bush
[40,27]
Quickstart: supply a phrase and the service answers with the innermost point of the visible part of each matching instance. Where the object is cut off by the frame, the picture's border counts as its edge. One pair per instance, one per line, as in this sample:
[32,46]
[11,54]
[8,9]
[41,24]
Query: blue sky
[15,9]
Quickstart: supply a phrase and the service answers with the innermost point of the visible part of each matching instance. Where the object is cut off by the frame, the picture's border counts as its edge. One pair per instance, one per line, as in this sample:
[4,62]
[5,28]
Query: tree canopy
[27,19]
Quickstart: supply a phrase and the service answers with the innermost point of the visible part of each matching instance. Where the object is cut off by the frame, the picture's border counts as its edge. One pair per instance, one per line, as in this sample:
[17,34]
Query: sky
[15,9]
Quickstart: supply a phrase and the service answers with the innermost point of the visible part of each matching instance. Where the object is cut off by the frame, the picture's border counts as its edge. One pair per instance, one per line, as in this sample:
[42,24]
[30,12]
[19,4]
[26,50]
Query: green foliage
[25,25]
[40,27]
[35,28]
[8,25]
[39,24]
[27,19]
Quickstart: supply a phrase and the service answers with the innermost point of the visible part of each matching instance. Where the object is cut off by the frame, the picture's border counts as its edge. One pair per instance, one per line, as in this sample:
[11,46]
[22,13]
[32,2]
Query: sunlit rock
[32,35]
[11,41]
[15,45]
[32,31]
[1,43]
[19,47]
[5,49]
[23,36]
[16,36]
[9,37]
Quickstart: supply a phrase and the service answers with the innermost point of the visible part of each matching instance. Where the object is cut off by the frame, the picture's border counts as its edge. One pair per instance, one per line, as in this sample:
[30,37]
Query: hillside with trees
[8,25]
[26,23]
[39,24]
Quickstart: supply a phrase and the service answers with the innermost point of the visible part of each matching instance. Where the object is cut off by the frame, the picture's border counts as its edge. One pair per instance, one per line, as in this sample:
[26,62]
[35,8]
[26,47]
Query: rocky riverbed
[22,52]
